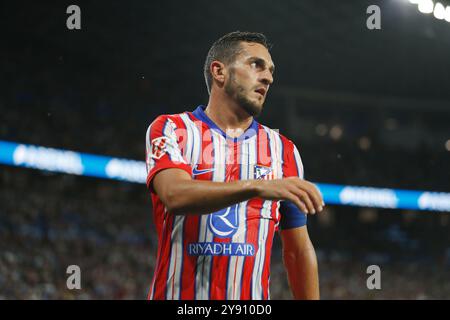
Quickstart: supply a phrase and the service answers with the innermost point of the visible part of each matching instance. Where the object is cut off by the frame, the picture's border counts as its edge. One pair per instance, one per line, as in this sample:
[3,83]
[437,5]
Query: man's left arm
[299,257]
[300,261]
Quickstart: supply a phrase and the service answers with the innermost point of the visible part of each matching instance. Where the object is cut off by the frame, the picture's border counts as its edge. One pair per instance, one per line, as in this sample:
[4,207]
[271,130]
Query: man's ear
[218,71]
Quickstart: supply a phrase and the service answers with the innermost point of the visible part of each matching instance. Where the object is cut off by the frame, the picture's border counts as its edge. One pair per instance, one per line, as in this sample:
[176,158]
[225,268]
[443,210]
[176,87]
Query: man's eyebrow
[263,62]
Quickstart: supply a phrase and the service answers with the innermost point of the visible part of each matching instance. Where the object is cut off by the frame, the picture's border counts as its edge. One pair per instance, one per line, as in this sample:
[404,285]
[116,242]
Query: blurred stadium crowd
[50,221]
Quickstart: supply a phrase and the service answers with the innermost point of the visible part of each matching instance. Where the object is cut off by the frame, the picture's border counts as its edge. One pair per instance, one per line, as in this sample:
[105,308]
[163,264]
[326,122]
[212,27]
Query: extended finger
[317,197]
[305,198]
[313,194]
[296,200]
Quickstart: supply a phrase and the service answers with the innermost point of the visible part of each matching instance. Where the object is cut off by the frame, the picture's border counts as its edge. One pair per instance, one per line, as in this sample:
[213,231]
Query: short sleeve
[291,216]
[162,149]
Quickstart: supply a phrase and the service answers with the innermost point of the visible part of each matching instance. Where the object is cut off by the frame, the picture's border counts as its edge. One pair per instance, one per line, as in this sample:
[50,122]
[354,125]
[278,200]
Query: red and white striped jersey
[225,254]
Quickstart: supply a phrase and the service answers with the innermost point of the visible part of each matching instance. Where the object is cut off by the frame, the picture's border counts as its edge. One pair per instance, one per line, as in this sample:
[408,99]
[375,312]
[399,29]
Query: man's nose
[267,78]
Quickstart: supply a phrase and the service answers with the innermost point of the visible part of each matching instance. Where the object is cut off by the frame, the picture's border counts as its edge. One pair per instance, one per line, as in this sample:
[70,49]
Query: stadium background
[366,108]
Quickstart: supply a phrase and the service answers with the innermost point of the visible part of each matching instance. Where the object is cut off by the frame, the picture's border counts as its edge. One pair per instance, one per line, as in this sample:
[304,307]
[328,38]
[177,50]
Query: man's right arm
[183,195]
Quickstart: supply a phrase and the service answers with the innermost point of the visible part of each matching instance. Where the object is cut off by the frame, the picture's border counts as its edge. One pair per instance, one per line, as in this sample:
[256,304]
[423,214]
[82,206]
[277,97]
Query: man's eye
[256,65]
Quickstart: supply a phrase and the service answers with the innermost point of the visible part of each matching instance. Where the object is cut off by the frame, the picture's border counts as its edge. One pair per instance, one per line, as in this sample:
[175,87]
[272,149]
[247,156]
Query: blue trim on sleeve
[291,216]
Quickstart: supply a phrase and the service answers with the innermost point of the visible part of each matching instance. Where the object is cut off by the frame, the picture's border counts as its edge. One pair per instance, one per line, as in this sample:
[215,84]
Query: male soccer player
[222,184]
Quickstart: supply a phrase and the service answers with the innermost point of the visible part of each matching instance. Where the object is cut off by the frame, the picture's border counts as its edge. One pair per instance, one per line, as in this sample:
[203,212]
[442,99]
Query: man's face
[250,76]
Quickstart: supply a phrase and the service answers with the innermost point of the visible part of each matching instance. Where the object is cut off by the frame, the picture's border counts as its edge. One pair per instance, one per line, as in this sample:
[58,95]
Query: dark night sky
[317,44]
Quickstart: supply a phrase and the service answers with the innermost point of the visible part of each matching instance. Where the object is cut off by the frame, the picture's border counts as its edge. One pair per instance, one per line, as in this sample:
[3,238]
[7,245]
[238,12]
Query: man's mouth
[261,91]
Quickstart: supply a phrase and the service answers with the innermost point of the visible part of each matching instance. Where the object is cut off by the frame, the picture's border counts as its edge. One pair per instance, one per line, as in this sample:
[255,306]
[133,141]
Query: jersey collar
[200,114]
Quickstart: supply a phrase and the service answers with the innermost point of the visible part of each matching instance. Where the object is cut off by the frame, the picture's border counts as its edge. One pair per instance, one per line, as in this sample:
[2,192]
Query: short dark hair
[227,48]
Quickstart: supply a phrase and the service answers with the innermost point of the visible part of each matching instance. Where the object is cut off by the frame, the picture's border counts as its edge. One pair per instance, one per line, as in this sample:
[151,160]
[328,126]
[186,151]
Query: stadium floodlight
[447,14]
[426,6]
[439,11]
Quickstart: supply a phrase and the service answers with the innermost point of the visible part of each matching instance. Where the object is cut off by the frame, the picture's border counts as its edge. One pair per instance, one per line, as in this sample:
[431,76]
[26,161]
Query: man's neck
[228,116]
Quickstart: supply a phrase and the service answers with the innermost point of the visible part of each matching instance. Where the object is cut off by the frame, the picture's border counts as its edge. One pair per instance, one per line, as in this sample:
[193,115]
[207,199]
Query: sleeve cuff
[157,169]
[291,216]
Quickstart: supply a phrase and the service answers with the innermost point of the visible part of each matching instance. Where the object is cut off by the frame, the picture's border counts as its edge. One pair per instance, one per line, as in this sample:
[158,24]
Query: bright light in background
[426,6]
[447,145]
[439,11]
[447,14]
[336,132]
[364,143]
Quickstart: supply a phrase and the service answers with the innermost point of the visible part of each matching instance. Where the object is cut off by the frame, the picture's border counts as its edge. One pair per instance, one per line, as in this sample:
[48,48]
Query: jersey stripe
[236,263]
[220,263]
[298,163]
[264,225]
[157,264]
[252,234]
[190,225]
[220,174]
[165,251]
[204,263]
[173,283]
[201,233]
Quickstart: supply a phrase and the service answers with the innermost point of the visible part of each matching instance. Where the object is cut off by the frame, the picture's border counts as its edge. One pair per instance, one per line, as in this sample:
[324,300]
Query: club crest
[261,172]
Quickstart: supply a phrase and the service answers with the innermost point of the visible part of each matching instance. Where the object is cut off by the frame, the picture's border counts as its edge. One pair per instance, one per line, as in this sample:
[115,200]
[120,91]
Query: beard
[237,91]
